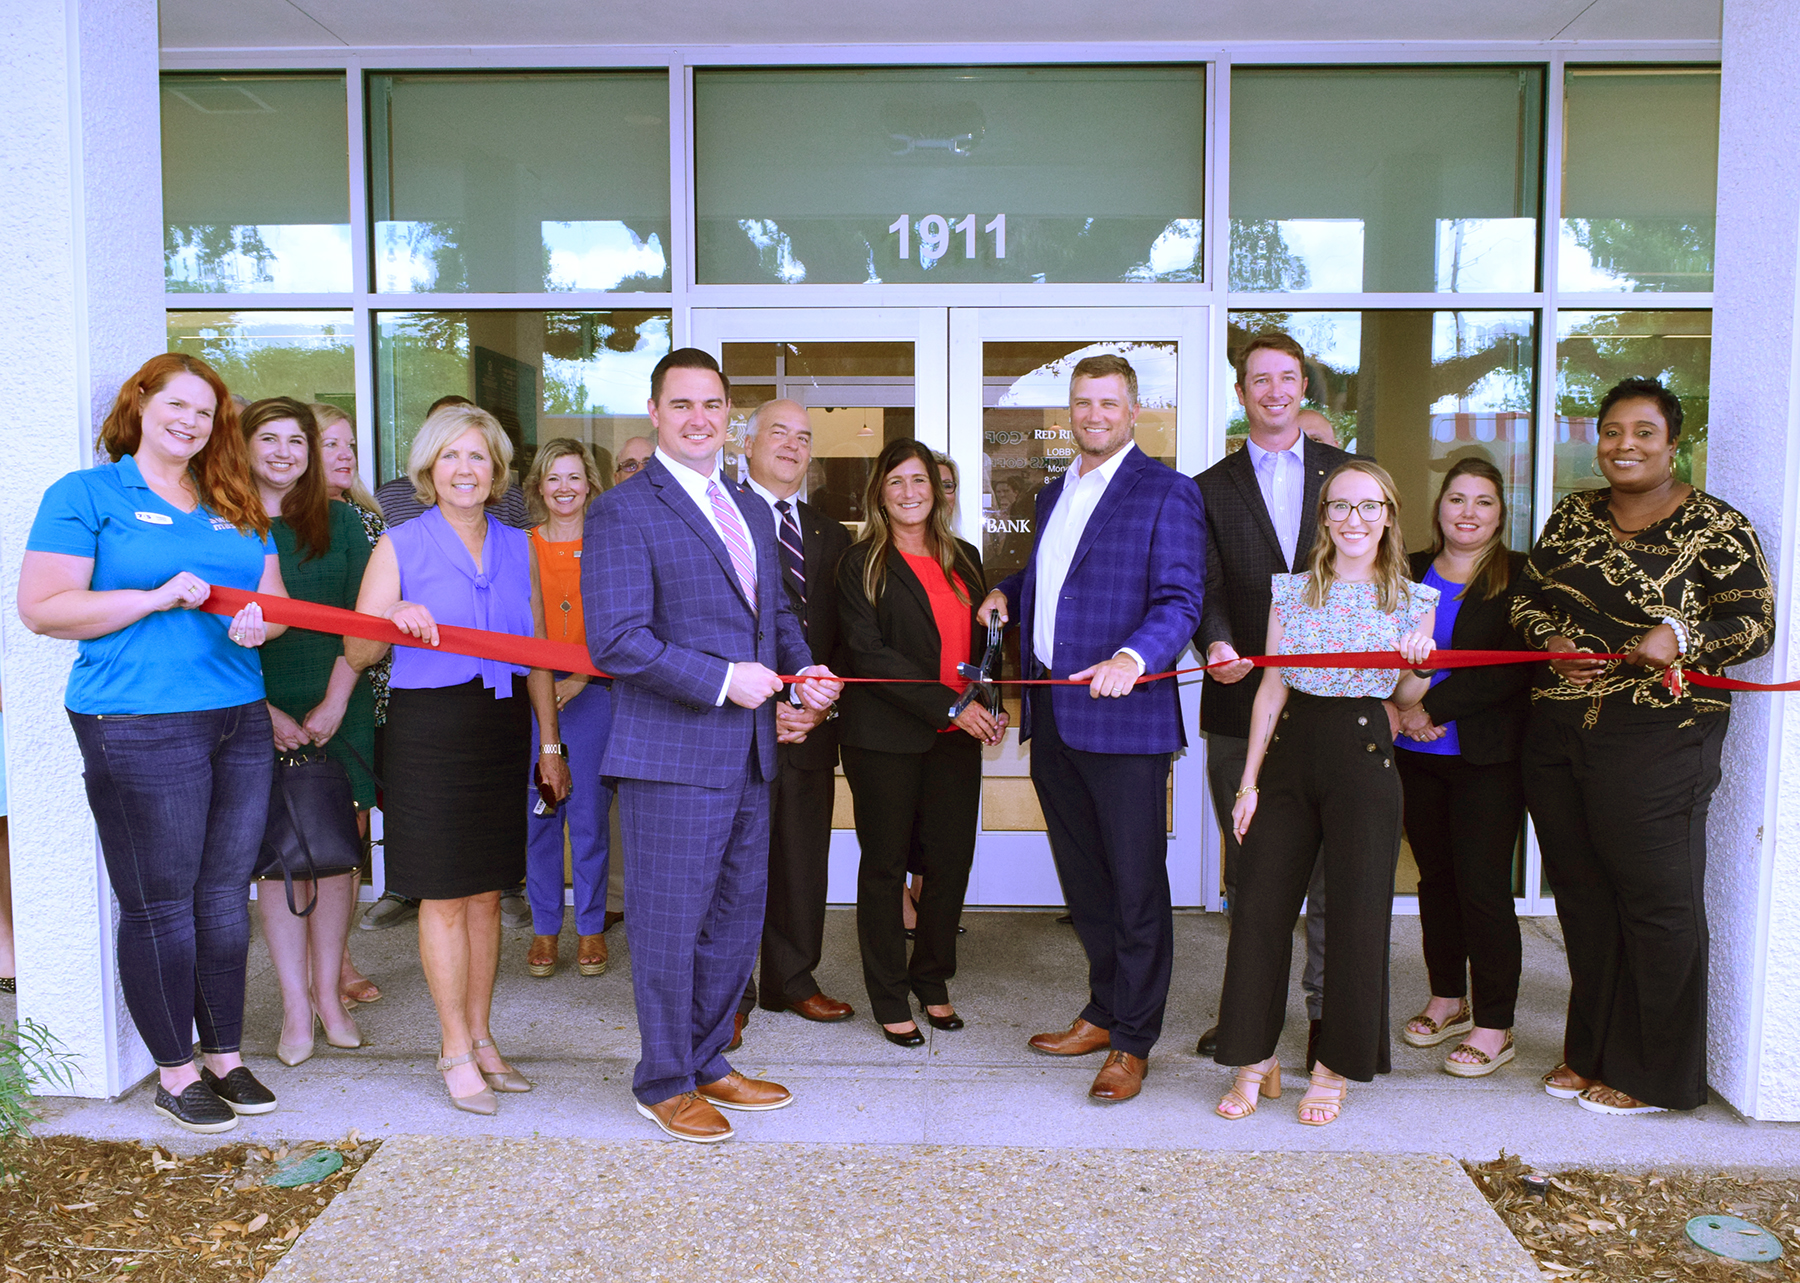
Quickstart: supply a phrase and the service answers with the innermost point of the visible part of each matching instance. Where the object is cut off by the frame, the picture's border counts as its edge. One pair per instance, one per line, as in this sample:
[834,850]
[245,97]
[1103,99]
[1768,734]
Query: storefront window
[1640,178]
[256,185]
[1594,350]
[542,374]
[306,355]
[1416,391]
[1345,180]
[909,175]
[520,183]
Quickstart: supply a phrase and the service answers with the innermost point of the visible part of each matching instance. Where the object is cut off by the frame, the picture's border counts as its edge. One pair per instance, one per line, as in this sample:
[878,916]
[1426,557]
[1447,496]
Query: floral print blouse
[1351,619]
[373,528]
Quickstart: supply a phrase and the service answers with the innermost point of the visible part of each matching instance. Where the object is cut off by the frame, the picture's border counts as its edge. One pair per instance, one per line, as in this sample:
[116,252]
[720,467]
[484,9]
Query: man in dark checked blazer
[1262,505]
[1112,590]
[681,587]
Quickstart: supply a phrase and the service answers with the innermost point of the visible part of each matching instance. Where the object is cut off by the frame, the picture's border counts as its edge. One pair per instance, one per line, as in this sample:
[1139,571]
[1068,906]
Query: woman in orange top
[562,482]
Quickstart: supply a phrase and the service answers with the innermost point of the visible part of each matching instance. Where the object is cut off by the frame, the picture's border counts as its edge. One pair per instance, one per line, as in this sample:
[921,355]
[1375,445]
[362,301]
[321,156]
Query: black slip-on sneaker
[240,1090]
[196,1109]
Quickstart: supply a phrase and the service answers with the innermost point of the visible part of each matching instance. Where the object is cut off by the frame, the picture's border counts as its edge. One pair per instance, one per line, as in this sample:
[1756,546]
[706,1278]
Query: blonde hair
[549,453]
[1393,583]
[445,425]
[328,416]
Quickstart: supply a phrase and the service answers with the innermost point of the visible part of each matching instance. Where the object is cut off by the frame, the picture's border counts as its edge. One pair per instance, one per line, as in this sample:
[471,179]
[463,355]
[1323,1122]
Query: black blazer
[897,637]
[1242,553]
[1488,705]
[823,541]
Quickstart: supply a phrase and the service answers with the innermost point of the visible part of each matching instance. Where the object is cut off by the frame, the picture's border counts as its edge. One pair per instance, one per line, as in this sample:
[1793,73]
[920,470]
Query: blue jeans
[180,800]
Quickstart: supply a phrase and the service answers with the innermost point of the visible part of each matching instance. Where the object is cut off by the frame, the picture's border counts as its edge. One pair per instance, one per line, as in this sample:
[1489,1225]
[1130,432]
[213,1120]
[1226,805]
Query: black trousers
[1621,820]
[1106,813]
[940,791]
[1463,823]
[793,937]
[1328,778]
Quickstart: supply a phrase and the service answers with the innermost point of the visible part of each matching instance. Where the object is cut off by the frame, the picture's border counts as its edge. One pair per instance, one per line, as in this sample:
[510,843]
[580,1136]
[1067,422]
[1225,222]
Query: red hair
[221,467]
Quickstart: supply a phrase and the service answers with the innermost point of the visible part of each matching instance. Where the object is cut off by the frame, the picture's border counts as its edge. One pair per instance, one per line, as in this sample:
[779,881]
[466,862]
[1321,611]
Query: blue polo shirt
[170,661]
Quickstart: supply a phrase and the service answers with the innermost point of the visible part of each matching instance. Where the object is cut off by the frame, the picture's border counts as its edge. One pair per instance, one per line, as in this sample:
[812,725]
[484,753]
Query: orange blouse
[559,576]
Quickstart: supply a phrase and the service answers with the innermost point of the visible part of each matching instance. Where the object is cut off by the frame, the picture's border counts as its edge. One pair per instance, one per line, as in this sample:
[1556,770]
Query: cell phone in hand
[546,803]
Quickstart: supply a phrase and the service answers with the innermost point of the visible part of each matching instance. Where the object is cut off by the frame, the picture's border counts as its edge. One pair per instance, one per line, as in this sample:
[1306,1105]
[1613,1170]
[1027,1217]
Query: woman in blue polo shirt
[167,704]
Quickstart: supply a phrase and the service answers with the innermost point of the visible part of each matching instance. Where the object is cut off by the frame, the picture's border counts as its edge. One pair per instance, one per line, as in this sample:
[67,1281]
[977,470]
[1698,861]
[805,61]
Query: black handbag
[311,831]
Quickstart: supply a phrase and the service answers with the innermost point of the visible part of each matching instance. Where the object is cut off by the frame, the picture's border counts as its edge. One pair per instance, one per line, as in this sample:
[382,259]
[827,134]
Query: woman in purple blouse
[459,729]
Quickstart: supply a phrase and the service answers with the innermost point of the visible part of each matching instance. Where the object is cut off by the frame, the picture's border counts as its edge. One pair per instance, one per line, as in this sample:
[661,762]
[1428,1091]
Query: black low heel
[912,1038]
[951,1021]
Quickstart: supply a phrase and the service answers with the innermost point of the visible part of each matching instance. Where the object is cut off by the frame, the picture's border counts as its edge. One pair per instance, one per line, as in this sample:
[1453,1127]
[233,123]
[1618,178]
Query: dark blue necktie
[793,554]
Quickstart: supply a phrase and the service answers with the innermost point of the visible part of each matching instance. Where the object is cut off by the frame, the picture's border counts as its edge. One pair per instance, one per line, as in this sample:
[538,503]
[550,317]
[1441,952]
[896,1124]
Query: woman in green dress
[314,698]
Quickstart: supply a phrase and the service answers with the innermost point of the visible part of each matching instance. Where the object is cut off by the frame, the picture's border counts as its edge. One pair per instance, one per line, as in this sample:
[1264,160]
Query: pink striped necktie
[737,540]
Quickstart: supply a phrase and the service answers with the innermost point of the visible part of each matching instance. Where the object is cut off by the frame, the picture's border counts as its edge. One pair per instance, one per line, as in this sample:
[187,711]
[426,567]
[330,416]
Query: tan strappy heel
[1253,1083]
[506,1080]
[478,1102]
[1325,1093]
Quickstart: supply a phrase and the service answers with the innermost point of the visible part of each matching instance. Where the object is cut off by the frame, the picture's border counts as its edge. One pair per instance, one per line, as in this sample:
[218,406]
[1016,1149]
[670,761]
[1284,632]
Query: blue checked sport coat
[1137,580]
[665,615]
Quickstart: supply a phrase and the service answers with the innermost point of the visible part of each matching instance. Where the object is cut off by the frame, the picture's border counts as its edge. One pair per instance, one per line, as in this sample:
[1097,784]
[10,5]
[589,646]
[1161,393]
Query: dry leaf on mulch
[1616,1226]
[73,1208]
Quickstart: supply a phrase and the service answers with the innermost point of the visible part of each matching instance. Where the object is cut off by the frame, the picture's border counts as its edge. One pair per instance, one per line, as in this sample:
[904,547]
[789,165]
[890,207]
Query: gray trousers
[1225,756]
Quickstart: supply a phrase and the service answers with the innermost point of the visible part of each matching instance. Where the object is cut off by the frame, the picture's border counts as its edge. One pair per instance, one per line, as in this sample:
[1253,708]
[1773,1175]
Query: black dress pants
[793,937]
[1109,836]
[940,791]
[1621,820]
[1328,778]
[1463,823]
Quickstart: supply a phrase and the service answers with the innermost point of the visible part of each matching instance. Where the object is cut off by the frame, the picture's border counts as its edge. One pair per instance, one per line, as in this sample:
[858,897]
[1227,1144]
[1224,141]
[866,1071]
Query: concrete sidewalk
[1020,972]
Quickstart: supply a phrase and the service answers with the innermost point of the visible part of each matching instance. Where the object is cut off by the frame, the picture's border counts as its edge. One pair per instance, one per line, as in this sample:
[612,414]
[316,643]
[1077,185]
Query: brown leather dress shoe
[590,955]
[1077,1040]
[1120,1078]
[737,1031]
[824,1009]
[612,919]
[734,1091]
[688,1117]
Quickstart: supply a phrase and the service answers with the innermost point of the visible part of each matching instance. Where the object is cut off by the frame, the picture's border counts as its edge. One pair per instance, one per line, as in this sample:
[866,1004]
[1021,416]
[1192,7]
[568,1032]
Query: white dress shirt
[1056,545]
[1281,476]
[695,484]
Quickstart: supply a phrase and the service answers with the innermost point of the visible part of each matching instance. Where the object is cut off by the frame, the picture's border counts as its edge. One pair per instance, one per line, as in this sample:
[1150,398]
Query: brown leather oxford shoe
[1077,1040]
[1120,1078]
[688,1117]
[734,1091]
[738,1021]
[820,1007]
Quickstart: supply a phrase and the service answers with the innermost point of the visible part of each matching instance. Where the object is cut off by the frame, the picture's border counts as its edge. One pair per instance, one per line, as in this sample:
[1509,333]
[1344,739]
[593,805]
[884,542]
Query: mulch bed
[73,1208]
[1612,1226]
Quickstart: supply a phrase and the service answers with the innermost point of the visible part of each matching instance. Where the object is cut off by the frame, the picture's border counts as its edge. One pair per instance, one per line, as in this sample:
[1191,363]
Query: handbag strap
[312,869]
[360,759]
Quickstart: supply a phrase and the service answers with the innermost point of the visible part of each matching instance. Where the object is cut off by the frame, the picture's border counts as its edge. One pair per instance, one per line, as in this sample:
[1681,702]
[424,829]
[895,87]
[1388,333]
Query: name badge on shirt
[154,518]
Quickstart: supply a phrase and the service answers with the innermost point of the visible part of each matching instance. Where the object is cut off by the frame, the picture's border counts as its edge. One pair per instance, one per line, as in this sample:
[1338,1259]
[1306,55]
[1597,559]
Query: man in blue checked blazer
[681,591]
[1112,591]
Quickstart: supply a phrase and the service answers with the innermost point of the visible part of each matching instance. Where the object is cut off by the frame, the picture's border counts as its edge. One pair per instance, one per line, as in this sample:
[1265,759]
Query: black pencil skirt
[453,817]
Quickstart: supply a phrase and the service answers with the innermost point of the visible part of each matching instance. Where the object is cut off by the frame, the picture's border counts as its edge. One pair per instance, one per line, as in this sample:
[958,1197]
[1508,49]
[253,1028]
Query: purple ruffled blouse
[437,572]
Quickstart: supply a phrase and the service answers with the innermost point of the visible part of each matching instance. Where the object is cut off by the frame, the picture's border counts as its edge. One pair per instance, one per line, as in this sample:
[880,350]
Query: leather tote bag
[311,831]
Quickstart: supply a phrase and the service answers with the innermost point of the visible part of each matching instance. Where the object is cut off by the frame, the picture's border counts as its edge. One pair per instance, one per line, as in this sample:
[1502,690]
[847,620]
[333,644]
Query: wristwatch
[554,750]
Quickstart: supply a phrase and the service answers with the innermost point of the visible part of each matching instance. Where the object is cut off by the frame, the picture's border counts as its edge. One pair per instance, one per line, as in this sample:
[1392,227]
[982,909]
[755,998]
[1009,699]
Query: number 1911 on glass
[934,236]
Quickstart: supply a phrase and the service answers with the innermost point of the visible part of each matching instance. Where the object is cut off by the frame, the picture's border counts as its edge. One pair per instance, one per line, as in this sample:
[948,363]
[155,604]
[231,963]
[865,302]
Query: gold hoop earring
[1594,468]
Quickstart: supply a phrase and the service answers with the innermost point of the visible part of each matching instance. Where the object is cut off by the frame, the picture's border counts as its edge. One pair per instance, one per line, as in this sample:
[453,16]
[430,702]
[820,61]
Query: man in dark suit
[1261,516]
[1112,590]
[681,591]
[778,446]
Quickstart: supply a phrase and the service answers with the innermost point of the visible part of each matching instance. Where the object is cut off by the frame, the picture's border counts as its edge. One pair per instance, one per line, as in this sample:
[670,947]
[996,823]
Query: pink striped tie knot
[737,540]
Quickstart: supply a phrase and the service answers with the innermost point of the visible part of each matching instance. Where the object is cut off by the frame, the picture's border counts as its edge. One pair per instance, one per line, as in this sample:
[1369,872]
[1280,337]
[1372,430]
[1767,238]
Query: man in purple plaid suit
[681,589]
[1112,591]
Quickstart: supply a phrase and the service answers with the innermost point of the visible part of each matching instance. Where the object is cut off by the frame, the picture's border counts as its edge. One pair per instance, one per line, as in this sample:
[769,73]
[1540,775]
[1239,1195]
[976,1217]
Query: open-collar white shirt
[1082,491]
[1281,476]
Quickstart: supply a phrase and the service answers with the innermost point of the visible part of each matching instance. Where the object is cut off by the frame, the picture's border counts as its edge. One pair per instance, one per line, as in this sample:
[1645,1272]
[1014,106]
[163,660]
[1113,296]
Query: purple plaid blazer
[1137,580]
[665,615]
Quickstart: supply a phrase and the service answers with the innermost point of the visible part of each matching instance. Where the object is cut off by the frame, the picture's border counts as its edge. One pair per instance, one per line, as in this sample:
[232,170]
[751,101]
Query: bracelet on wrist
[1248,788]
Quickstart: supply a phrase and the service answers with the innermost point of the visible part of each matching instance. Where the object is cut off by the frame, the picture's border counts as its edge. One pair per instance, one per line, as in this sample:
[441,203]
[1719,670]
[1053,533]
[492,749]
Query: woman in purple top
[1464,794]
[459,729]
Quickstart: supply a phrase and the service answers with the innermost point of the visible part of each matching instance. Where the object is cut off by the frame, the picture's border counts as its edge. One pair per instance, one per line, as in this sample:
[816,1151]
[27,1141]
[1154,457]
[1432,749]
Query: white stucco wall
[1753,875]
[81,251]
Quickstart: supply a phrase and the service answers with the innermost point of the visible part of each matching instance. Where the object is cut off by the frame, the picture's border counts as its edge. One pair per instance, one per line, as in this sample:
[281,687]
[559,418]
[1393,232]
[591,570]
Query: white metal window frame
[1218,59]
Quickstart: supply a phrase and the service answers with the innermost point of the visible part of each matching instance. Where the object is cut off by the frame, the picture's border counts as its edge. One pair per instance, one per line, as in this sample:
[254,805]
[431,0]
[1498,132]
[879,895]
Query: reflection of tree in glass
[1673,347]
[1261,259]
[438,245]
[219,251]
[1652,253]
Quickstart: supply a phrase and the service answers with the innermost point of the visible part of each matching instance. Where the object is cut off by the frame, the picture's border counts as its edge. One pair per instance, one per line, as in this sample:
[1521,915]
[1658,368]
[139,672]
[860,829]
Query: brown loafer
[687,1117]
[541,959]
[737,1031]
[613,918]
[734,1091]
[824,1009]
[590,955]
[1077,1040]
[1120,1078]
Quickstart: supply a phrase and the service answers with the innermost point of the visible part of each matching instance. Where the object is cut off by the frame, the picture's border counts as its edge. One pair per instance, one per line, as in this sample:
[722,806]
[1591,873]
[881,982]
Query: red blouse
[949,613]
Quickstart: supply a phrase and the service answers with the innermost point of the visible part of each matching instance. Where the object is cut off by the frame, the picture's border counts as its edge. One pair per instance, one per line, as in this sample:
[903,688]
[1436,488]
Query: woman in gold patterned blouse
[1619,769]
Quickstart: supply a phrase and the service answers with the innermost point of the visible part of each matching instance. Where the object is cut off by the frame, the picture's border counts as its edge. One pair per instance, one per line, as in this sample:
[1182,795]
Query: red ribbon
[568,657]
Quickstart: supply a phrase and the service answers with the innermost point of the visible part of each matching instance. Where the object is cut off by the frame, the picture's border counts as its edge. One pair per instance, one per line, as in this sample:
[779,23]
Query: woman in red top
[907,594]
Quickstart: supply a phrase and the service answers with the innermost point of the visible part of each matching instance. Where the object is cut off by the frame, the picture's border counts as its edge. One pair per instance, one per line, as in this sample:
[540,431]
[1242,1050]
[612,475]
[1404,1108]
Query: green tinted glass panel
[1594,350]
[306,355]
[902,176]
[256,185]
[1640,178]
[520,183]
[1346,180]
[542,374]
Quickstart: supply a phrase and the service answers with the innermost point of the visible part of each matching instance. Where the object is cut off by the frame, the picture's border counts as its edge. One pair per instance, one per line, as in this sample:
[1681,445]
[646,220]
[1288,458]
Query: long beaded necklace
[566,605]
